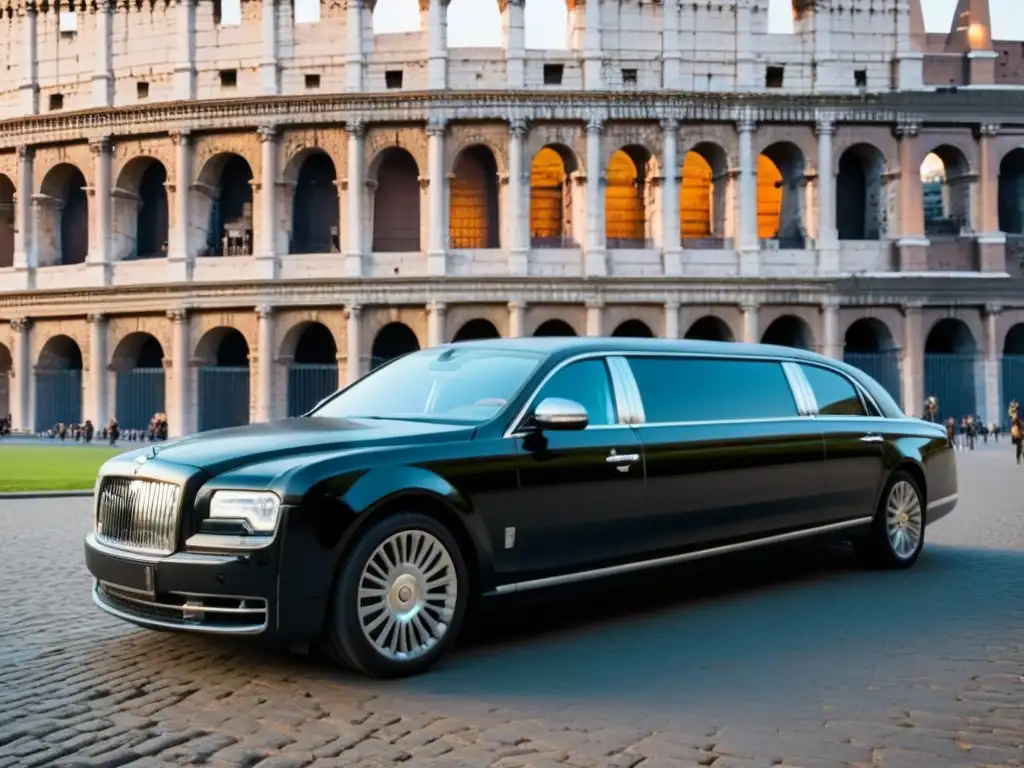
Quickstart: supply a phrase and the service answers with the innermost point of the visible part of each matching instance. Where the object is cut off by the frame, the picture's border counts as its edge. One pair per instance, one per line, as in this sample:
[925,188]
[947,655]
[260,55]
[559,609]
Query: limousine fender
[929,460]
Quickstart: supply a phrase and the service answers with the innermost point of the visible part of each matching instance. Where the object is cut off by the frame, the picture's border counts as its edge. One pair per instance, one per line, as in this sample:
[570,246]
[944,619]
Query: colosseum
[226,218]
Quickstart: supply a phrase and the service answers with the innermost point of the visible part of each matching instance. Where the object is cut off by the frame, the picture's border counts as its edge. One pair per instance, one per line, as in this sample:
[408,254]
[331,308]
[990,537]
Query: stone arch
[476,329]
[789,331]
[474,201]
[222,346]
[60,353]
[6,369]
[629,197]
[225,206]
[951,368]
[63,217]
[1012,364]
[702,196]
[710,328]
[309,341]
[554,327]
[396,201]
[870,345]
[1011,192]
[312,176]
[139,380]
[869,335]
[7,210]
[58,385]
[137,350]
[946,191]
[635,329]
[950,335]
[393,340]
[1013,342]
[312,354]
[223,378]
[552,204]
[861,204]
[140,215]
[780,192]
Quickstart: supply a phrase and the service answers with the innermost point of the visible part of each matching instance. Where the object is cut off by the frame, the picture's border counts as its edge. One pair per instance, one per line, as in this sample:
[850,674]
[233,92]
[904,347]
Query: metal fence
[954,380]
[138,396]
[223,397]
[308,384]
[883,367]
[1012,384]
[58,397]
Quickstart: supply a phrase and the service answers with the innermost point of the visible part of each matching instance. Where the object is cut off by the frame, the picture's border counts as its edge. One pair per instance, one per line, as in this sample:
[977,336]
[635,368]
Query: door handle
[622,458]
[872,439]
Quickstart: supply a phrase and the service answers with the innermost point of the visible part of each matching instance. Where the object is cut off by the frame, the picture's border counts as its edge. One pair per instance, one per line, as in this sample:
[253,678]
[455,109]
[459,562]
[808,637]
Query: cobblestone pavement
[780,661]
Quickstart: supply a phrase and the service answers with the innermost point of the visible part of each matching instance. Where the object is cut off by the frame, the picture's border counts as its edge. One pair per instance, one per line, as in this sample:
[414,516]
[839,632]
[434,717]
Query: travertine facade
[283,205]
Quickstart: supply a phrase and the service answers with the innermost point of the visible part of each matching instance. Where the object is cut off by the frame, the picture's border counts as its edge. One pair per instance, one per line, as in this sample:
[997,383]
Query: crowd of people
[112,432]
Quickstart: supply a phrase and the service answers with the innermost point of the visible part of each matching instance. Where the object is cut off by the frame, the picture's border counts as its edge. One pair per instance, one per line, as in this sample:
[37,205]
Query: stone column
[751,332]
[671,319]
[266,252]
[23,377]
[595,318]
[28,84]
[831,345]
[179,258]
[179,418]
[912,360]
[437,227]
[185,51]
[514,24]
[993,410]
[24,244]
[437,44]
[354,55]
[353,339]
[991,240]
[912,243]
[670,228]
[264,363]
[99,248]
[593,66]
[435,323]
[671,50]
[355,195]
[516,319]
[96,400]
[518,209]
[828,235]
[103,72]
[748,242]
[269,68]
[595,255]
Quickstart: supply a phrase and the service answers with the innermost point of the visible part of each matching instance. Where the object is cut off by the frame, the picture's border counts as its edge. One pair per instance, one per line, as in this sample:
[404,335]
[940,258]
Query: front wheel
[896,537]
[400,597]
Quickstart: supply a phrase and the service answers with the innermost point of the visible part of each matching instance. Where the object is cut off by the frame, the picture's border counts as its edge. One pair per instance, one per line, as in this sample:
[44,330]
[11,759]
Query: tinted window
[587,382]
[692,389]
[836,396]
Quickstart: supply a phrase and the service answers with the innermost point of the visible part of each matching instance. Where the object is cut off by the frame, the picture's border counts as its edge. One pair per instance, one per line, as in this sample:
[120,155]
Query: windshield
[445,384]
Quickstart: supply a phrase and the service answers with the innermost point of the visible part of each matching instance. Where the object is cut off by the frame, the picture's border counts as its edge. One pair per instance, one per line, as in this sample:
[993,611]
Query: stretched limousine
[498,466]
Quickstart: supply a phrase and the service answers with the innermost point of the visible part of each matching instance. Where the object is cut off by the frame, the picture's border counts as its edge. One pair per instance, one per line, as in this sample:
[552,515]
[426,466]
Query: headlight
[260,510]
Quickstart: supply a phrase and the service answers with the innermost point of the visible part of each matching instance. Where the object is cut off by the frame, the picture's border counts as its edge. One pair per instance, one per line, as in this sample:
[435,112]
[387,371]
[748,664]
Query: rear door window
[835,394]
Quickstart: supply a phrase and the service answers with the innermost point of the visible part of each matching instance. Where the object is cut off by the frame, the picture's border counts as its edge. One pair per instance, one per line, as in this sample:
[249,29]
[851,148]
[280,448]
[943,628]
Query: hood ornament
[139,462]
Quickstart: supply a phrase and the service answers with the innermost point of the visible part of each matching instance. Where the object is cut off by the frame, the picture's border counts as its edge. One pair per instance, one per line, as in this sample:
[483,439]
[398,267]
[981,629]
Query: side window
[836,396]
[695,389]
[588,383]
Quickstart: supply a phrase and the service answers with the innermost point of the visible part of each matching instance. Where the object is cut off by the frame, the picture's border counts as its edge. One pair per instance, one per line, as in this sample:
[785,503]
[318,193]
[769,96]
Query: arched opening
[6,229]
[223,379]
[789,331]
[1011,204]
[546,25]
[6,366]
[315,205]
[869,345]
[59,383]
[1012,369]
[313,371]
[63,217]
[393,340]
[946,192]
[139,385]
[473,211]
[551,198]
[628,198]
[634,329]
[228,178]
[780,189]
[396,202]
[702,201]
[554,328]
[861,201]
[140,215]
[710,328]
[950,369]
[477,329]
[395,16]
[472,24]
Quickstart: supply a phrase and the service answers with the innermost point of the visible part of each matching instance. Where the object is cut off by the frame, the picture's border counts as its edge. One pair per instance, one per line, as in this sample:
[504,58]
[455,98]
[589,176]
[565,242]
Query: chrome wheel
[903,519]
[407,595]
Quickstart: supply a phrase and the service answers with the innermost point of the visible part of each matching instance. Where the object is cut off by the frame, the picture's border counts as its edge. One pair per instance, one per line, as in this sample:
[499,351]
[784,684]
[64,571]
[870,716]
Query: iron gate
[1013,385]
[58,398]
[138,397]
[883,367]
[308,384]
[952,379]
[223,397]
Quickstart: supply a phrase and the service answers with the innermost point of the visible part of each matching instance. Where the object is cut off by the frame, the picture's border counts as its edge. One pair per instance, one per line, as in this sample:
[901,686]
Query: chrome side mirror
[556,413]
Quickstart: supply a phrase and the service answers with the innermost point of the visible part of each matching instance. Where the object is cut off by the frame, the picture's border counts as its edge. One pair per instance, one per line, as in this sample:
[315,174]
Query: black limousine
[490,467]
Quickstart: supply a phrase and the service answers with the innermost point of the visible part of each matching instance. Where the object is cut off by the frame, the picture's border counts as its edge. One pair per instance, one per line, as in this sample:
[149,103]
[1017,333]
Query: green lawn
[50,468]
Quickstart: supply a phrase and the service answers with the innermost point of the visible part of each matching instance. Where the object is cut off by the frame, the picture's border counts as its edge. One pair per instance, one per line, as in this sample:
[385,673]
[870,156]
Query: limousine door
[579,490]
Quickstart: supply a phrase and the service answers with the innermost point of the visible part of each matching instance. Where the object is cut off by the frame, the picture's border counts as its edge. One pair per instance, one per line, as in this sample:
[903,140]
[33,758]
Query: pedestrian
[1015,435]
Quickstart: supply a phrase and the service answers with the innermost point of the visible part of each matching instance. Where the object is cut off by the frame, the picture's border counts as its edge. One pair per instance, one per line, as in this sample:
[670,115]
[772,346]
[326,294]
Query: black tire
[877,548]
[345,638]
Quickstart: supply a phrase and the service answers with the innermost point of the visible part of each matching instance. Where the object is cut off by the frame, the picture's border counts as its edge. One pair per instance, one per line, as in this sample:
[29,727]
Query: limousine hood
[224,450]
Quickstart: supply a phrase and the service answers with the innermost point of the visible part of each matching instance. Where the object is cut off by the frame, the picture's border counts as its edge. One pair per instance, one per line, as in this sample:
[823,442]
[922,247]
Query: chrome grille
[138,514]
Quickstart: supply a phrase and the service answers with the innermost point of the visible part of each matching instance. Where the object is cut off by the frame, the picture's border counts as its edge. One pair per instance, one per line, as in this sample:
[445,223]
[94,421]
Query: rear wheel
[400,597]
[896,537]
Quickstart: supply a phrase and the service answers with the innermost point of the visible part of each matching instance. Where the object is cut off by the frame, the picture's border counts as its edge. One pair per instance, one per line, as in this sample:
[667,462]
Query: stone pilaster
[832,345]
[103,72]
[748,244]
[991,240]
[266,261]
[991,367]
[437,226]
[179,414]
[99,230]
[751,332]
[671,51]
[828,235]
[264,363]
[912,243]
[437,43]
[670,226]
[912,360]
[518,210]
[516,319]
[269,66]
[185,51]
[435,323]
[96,399]
[179,257]
[355,56]
[595,318]
[513,24]
[595,256]
[671,319]
[354,346]
[355,196]
[593,55]
[24,227]
[23,371]
[28,84]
